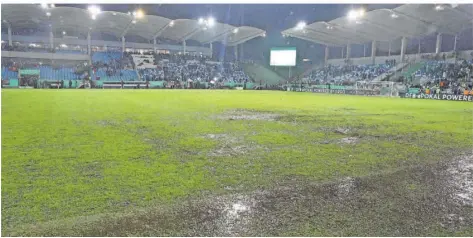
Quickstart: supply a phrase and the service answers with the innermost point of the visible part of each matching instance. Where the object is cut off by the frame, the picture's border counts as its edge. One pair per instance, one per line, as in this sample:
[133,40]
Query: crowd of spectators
[349,73]
[441,76]
[193,68]
[114,65]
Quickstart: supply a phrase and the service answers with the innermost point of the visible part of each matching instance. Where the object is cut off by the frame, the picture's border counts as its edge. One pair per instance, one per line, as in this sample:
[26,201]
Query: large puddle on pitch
[461,173]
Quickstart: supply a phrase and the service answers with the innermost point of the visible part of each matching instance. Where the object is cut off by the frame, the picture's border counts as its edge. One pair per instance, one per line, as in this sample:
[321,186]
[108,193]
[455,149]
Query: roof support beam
[127,28]
[242,40]
[10,43]
[161,30]
[311,39]
[225,33]
[191,34]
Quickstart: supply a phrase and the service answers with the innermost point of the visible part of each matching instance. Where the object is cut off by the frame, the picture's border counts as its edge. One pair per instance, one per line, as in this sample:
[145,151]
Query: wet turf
[147,157]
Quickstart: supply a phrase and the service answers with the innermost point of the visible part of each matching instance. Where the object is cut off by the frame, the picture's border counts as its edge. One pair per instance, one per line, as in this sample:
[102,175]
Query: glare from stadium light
[171,23]
[94,10]
[235,30]
[264,34]
[63,45]
[134,21]
[361,12]
[394,15]
[114,13]
[439,7]
[210,22]
[139,14]
[64,33]
[93,17]
[33,45]
[352,15]
[201,21]
[48,14]
[301,25]
[53,6]
[44,5]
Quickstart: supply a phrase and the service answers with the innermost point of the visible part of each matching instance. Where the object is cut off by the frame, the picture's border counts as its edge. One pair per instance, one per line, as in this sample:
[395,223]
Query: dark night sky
[273,18]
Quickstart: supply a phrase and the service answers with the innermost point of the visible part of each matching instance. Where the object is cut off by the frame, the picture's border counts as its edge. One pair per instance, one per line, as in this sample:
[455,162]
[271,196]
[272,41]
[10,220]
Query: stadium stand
[348,73]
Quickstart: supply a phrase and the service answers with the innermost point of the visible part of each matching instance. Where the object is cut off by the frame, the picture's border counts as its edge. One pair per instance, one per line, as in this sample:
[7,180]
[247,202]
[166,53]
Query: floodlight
[352,15]
[93,17]
[171,23]
[53,6]
[134,21]
[63,45]
[48,14]
[210,22]
[201,21]
[94,10]
[44,5]
[264,34]
[139,13]
[439,7]
[300,26]
[235,30]
[63,32]
[394,15]
[114,13]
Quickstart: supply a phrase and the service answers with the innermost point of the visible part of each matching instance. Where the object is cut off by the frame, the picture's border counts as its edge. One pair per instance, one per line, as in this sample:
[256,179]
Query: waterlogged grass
[72,153]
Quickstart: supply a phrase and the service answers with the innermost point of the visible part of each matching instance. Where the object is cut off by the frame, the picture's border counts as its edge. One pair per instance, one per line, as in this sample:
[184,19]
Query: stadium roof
[411,20]
[120,24]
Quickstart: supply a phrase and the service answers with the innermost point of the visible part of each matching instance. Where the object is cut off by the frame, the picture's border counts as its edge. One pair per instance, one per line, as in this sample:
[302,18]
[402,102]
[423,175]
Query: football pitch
[246,163]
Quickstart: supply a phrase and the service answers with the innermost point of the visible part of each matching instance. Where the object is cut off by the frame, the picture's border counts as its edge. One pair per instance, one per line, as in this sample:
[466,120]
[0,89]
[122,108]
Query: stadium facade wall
[51,56]
[73,41]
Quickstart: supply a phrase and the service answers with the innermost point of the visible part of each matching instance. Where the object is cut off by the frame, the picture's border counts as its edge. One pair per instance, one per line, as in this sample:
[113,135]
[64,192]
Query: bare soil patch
[230,145]
[349,140]
[240,114]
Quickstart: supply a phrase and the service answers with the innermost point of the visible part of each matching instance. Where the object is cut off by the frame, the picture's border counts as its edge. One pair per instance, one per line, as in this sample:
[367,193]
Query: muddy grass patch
[229,145]
[242,114]
[418,201]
